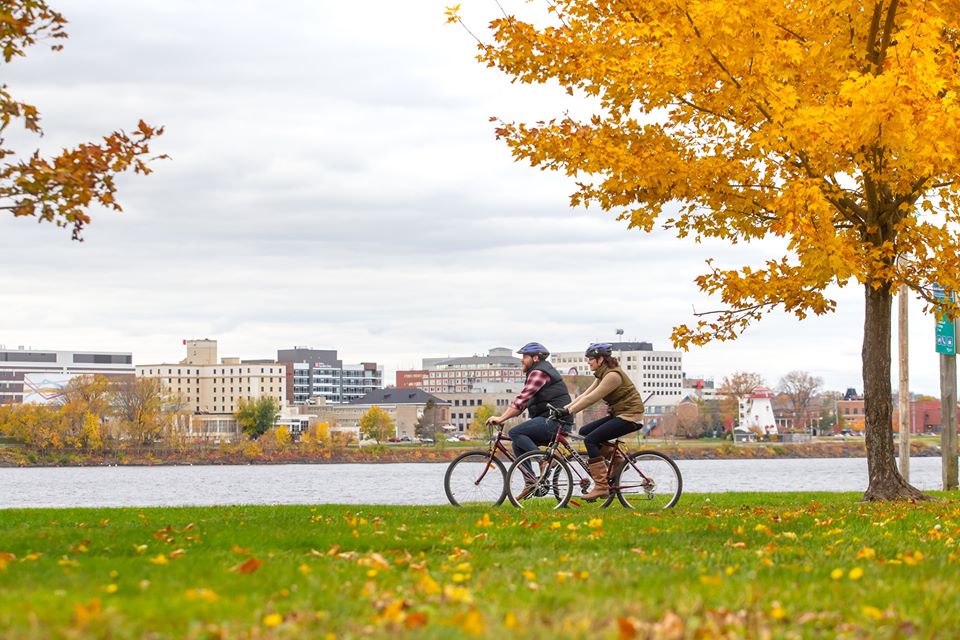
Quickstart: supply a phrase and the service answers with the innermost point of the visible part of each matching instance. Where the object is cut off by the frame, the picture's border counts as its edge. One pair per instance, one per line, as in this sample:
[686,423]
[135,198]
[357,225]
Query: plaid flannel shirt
[535,381]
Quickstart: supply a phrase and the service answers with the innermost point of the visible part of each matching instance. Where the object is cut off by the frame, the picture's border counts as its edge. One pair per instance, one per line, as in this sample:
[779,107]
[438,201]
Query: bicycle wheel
[650,481]
[541,481]
[473,477]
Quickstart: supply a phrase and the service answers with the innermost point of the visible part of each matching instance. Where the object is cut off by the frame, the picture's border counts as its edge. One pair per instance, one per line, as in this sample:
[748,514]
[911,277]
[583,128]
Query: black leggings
[608,428]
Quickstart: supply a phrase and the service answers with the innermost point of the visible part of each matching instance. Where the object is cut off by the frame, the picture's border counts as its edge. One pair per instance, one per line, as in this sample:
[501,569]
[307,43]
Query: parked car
[405,438]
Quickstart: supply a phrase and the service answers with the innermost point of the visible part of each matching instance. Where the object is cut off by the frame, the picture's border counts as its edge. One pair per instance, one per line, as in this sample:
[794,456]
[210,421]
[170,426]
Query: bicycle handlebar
[559,414]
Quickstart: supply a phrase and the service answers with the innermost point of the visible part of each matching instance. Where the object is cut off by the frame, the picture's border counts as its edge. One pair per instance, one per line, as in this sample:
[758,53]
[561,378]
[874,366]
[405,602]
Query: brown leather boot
[601,487]
[613,457]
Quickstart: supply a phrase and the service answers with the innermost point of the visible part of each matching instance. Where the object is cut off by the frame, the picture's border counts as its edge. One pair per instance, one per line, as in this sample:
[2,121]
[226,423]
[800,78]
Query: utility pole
[904,394]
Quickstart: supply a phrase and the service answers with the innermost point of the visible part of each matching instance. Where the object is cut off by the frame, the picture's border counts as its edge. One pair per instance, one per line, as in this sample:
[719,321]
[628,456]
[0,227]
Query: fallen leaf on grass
[202,593]
[272,620]
[471,622]
[84,613]
[626,628]
[415,620]
[250,565]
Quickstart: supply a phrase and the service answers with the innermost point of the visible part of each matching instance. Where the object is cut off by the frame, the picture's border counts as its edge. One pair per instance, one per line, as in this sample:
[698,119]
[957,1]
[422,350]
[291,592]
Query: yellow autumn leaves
[830,130]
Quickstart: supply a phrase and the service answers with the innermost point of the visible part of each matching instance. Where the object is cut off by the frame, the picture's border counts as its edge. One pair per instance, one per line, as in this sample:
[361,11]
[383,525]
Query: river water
[412,483]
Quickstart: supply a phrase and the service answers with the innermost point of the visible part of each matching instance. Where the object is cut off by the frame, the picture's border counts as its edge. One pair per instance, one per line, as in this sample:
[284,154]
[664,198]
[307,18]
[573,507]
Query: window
[18,356]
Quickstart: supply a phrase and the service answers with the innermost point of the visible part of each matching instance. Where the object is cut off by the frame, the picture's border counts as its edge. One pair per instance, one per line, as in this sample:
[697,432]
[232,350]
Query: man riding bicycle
[543,386]
[613,386]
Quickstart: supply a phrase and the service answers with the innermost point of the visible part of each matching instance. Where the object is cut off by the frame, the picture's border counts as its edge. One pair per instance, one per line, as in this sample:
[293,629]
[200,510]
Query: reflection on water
[383,483]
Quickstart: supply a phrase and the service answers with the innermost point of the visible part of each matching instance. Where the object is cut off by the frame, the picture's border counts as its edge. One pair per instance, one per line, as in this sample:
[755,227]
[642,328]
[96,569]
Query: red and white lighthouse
[756,412]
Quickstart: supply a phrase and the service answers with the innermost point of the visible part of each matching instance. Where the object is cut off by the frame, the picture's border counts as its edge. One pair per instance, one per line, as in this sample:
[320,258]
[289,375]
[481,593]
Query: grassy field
[720,566]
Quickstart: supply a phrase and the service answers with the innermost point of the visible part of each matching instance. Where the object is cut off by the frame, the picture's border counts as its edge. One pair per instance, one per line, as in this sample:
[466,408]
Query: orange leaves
[62,188]
[669,627]
[24,23]
[397,613]
[5,559]
[83,614]
[248,566]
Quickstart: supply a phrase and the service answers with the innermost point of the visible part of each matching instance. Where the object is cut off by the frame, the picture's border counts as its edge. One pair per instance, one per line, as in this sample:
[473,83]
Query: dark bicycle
[644,479]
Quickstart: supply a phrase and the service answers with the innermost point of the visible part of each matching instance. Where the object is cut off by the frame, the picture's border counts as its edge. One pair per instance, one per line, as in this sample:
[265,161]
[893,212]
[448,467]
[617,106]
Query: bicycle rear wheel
[650,481]
[538,481]
[475,477]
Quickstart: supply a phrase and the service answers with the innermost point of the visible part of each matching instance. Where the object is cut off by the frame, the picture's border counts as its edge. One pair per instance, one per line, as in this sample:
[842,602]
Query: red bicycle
[478,475]
[645,479]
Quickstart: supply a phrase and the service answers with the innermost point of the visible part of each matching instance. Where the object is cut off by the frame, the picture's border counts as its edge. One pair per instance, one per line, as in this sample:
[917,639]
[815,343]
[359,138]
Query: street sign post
[947,348]
[946,330]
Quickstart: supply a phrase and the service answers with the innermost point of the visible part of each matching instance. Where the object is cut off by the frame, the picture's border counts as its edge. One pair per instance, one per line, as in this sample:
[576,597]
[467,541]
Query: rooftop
[397,396]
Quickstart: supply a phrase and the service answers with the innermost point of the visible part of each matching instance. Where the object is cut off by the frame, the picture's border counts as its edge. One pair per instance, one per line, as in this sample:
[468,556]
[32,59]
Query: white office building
[659,373]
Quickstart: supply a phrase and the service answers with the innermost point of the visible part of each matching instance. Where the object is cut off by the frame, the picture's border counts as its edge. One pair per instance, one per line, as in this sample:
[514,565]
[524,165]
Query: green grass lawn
[720,566]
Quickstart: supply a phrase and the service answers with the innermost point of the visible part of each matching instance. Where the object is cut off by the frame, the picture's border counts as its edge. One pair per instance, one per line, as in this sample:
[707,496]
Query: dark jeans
[608,428]
[527,436]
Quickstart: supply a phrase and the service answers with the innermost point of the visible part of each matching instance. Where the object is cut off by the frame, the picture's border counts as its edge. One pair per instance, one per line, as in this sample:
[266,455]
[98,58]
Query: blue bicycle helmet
[534,348]
[599,349]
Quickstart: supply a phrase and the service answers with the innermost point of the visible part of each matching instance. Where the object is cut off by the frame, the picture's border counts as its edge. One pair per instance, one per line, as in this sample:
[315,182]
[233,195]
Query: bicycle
[478,475]
[645,479]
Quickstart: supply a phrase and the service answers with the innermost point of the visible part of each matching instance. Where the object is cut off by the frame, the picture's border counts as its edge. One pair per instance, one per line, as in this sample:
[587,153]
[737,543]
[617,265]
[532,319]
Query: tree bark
[886,483]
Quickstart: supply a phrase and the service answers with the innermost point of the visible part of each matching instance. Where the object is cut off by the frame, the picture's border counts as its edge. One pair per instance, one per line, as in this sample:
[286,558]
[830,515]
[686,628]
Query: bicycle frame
[496,446]
[561,446]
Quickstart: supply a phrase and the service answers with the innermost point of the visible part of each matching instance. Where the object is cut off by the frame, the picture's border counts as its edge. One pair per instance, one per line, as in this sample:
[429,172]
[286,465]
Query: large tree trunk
[886,483]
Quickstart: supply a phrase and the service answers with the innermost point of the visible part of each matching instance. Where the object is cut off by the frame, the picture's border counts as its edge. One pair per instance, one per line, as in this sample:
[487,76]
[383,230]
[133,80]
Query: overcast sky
[334,182]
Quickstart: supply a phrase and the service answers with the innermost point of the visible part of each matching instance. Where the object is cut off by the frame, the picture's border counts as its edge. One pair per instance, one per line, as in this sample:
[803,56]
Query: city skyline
[345,190]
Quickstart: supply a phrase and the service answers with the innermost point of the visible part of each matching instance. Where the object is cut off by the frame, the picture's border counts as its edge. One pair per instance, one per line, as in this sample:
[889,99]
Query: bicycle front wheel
[539,480]
[475,477]
[650,481]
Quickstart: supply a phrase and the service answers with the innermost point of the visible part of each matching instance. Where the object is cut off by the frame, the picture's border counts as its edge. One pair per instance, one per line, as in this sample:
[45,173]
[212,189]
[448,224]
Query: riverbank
[720,566]
[243,454]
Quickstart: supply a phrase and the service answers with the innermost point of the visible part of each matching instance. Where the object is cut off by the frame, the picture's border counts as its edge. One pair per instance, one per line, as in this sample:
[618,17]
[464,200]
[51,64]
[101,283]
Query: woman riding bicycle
[614,387]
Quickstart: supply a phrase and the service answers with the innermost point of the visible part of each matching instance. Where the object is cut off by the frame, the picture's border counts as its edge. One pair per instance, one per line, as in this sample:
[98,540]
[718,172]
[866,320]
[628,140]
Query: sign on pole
[947,348]
[946,331]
